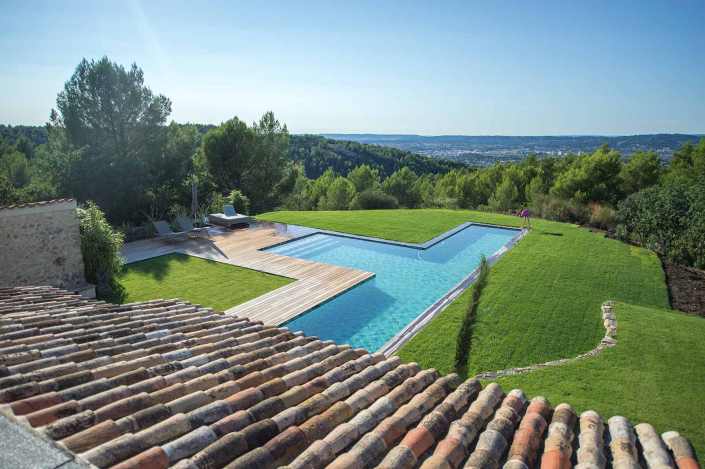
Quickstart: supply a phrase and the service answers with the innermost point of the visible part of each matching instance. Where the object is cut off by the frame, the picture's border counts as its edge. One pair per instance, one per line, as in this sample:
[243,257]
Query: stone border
[610,323]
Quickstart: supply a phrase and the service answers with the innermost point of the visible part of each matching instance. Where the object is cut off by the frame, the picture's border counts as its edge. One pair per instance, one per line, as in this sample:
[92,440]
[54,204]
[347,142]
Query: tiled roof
[167,383]
[35,204]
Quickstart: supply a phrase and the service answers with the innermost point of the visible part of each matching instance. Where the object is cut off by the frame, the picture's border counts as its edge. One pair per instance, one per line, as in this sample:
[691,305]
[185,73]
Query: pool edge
[421,321]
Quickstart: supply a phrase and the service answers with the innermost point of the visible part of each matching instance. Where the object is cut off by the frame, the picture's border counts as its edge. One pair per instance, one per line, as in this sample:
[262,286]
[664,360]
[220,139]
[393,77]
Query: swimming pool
[408,281]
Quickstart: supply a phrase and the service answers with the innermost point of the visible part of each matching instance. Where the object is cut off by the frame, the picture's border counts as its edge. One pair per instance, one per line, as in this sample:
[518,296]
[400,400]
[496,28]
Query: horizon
[395,69]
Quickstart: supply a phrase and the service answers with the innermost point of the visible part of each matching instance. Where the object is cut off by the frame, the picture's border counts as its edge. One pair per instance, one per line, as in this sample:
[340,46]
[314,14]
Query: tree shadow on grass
[157,267]
[548,233]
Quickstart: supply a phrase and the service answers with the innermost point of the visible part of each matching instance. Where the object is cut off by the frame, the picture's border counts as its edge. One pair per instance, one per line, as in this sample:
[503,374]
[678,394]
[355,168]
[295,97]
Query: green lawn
[655,374]
[212,284]
[544,296]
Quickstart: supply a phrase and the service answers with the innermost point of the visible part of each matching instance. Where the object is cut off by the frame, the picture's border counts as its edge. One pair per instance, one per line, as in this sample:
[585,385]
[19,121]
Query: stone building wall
[40,244]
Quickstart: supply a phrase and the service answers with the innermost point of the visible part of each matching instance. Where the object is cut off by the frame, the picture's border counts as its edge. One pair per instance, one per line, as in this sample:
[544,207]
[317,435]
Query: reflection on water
[408,281]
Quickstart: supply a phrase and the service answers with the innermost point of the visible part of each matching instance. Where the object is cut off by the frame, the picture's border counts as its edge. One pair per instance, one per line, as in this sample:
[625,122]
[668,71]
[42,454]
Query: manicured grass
[544,296]
[655,374]
[211,284]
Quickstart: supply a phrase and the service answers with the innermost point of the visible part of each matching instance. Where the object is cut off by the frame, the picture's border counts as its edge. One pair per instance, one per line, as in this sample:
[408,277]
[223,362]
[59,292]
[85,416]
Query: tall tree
[107,112]
[641,171]
[228,150]
[271,177]
[339,195]
[402,185]
[364,178]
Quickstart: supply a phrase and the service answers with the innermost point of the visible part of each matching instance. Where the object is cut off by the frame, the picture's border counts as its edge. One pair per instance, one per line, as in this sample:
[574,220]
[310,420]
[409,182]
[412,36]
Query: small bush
[100,245]
[216,202]
[448,203]
[555,209]
[373,200]
[603,217]
[238,200]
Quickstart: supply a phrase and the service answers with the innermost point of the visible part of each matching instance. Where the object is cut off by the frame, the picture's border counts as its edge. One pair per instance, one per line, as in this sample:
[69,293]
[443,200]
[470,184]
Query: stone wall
[40,244]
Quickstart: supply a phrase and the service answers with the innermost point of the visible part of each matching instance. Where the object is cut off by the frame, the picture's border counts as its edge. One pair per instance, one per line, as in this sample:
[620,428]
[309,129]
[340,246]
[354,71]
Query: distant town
[488,150]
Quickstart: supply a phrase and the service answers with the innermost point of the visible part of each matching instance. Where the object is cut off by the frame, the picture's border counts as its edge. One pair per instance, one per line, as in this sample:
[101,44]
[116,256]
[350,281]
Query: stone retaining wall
[40,244]
[610,323]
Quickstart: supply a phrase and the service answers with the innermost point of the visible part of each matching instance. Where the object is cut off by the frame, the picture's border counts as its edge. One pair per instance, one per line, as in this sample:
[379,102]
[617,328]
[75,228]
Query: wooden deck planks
[316,282]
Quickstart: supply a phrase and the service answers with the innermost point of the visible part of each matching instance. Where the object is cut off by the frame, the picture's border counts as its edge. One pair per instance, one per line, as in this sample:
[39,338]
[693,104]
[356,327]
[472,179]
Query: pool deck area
[315,282]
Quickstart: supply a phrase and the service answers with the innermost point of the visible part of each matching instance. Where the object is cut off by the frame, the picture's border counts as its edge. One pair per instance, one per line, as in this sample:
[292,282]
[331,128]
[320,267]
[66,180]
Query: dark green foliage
[36,134]
[373,200]
[319,153]
[110,132]
[402,185]
[669,219]
[338,196]
[463,343]
[239,201]
[250,159]
[100,244]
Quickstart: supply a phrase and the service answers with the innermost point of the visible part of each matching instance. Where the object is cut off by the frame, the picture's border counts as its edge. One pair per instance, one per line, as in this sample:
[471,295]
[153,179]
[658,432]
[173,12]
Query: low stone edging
[610,323]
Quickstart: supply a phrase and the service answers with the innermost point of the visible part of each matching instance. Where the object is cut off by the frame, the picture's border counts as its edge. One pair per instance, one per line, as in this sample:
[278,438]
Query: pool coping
[417,324]
[421,246]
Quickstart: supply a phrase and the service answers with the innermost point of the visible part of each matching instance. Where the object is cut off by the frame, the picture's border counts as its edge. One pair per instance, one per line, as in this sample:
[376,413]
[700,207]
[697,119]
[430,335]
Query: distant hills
[487,149]
[318,153]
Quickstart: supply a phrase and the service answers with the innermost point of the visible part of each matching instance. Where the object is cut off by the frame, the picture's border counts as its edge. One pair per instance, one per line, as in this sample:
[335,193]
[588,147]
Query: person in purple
[525,215]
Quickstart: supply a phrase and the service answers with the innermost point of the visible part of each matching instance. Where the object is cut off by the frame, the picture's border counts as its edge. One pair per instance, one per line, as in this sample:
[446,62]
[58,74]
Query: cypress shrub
[464,341]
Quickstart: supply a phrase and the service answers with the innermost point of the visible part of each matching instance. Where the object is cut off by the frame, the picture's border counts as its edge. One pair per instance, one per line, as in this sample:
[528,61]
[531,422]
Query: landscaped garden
[200,281]
[543,303]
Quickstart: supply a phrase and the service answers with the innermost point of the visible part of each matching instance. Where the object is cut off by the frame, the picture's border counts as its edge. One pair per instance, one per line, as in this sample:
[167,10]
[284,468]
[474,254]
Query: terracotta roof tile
[166,383]
[35,204]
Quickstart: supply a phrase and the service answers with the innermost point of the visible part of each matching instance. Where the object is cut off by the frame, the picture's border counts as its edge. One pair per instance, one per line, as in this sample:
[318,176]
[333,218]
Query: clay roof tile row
[166,383]
[35,204]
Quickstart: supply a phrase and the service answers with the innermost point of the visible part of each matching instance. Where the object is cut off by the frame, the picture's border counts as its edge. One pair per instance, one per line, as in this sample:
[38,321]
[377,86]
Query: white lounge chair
[229,217]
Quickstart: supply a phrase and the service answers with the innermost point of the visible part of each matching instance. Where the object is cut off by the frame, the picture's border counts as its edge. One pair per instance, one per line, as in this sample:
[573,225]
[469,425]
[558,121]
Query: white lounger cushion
[221,219]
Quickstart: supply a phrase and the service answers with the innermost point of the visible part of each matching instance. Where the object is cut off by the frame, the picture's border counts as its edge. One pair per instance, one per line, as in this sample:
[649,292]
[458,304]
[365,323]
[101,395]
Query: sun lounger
[187,226]
[165,231]
[229,217]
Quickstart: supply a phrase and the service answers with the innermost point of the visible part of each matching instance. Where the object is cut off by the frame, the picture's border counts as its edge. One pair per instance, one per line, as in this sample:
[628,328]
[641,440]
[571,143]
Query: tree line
[109,141]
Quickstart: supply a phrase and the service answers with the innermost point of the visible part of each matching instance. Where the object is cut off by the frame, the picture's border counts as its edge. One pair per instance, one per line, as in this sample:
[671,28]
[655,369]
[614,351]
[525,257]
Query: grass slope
[544,296]
[212,284]
[654,374]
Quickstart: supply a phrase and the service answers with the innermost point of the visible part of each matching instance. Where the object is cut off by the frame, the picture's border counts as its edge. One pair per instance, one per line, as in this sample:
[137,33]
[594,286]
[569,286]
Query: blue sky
[430,68]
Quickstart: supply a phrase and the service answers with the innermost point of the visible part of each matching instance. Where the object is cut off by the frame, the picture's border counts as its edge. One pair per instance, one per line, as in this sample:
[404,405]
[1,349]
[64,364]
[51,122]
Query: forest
[109,141]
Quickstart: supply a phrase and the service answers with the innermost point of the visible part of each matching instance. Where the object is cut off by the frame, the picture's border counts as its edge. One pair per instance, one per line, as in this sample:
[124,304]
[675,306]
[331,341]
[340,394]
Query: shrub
[603,217]
[463,344]
[216,202]
[669,220]
[553,208]
[100,245]
[238,200]
[373,200]
[448,203]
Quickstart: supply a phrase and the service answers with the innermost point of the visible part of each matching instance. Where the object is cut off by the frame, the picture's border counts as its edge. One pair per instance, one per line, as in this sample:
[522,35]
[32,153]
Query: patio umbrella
[194,201]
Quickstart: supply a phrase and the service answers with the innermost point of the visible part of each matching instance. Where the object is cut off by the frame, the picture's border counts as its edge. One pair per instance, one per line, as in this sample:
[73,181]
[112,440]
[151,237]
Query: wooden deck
[316,282]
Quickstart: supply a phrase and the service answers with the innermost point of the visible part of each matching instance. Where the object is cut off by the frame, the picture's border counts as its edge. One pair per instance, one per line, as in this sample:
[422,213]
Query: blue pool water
[408,281]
